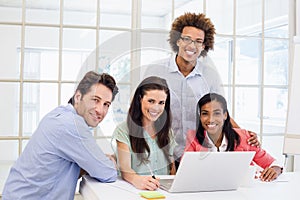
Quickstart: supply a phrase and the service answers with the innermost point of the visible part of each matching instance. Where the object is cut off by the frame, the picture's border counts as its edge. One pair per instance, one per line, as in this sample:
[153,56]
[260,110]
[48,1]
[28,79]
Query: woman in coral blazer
[215,133]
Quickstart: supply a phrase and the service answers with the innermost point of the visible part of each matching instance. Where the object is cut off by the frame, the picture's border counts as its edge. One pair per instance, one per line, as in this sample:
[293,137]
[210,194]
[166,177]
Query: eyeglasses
[187,41]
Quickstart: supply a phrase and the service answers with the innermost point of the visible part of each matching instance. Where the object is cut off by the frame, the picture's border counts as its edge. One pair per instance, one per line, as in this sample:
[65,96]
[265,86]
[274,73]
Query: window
[45,55]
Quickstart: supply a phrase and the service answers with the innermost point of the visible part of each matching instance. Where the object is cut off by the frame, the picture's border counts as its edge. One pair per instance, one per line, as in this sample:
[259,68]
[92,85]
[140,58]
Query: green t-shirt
[157,160]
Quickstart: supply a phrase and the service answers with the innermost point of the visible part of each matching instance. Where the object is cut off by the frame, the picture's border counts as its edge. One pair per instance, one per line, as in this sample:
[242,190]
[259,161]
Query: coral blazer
[261,157]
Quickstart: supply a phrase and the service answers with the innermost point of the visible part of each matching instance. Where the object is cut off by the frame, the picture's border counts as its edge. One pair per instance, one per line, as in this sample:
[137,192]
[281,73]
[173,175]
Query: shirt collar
[196,71]
[212,146]
[72,109]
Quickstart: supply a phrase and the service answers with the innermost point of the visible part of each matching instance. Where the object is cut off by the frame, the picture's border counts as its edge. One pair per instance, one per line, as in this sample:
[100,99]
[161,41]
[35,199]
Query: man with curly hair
[189,72]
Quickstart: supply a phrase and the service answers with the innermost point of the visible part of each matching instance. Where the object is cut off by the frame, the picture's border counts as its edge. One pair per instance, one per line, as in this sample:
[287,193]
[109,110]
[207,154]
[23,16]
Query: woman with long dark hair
[214,132]
[145,141]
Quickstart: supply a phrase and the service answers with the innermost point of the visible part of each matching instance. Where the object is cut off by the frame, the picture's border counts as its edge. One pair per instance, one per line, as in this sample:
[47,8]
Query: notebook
[209,171]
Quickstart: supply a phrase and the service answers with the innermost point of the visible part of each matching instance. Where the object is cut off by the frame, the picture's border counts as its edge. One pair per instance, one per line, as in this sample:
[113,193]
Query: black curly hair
[195,20]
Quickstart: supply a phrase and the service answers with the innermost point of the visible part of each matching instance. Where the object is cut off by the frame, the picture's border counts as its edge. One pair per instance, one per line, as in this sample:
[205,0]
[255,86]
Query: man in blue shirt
[63,144]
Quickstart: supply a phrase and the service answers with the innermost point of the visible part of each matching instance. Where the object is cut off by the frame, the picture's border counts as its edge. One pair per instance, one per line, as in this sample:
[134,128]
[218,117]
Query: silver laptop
[209,171]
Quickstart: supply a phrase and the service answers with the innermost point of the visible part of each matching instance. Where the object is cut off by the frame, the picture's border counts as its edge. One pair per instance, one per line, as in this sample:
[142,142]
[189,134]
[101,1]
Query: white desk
[285,188]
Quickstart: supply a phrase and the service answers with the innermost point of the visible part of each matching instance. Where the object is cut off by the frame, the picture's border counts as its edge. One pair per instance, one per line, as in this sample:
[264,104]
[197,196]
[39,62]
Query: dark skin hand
[173,169]
[270,173]
[82,172]
[253,140]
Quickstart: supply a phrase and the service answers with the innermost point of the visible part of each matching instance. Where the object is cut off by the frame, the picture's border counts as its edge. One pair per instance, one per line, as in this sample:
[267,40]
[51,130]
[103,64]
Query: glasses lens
[188,40]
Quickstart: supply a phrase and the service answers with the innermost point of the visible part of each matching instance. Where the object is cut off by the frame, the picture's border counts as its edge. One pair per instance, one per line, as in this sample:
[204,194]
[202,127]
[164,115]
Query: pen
[152,174]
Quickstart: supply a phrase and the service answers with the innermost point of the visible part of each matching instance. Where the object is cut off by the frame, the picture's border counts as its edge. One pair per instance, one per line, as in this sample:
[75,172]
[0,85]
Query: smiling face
[212,117]
[93,106]
[152,105]
[190,52]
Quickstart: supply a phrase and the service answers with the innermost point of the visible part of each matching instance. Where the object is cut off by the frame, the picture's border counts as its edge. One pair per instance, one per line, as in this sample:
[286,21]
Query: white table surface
[286,187]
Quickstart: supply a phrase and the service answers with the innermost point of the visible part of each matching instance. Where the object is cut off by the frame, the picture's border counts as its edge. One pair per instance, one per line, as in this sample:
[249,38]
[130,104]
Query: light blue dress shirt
[50,164]
[185,93]
[158,163]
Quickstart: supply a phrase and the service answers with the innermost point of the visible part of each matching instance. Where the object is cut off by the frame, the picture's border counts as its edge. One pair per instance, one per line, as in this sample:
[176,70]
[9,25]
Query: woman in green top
[145,141]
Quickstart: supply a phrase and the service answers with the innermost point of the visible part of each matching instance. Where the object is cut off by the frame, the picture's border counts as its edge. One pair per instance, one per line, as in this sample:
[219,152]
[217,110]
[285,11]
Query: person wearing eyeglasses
[190,73]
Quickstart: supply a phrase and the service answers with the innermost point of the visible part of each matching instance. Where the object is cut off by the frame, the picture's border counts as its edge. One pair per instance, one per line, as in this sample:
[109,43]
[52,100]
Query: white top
[185,93]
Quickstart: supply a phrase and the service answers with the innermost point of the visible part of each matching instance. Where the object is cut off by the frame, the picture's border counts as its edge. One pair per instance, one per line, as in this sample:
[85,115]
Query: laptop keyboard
[166,183]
